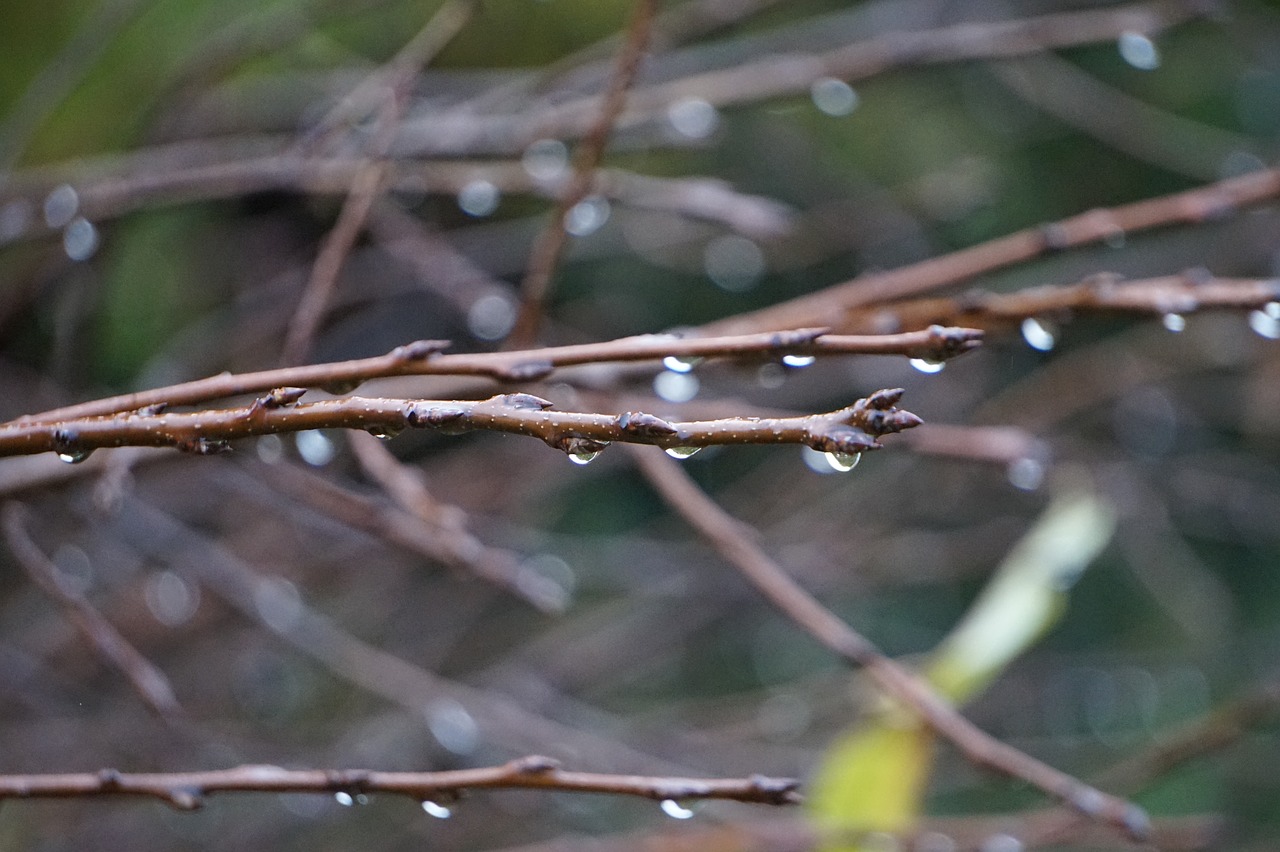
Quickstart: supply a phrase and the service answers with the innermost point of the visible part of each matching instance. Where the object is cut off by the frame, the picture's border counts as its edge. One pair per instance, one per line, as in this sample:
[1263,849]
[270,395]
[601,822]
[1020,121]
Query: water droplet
[734,263]
[270,449]
[491,317]
[682,452]
[694,118]
[771,376]
[315,447]
[1139,51]
[833,96]
[680,365]
[385,433]
[479,198]
[675,387]
[1026,473]
[675,810]
[843,462]
[172,600]
[61,206]
[362,799]
[80,239]
[1040,334]
[279,604]
[1264,324]
[1174,322]
[587,216]
[453,726]
[436,810]
[583,458]
[344,798]
[74,455]
[545,160]
[798,360]
[1272,309]
[924,365]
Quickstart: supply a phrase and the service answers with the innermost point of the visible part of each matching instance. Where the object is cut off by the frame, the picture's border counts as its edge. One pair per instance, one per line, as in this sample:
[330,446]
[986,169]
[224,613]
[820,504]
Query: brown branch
[1169,295]
[849,430]
[151,684]
[421,358]
[834,306]
[187,790]
[737,543]
[550,243]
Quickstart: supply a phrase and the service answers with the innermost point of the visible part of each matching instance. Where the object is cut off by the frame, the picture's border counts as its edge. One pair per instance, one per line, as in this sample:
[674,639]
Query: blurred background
[168,174]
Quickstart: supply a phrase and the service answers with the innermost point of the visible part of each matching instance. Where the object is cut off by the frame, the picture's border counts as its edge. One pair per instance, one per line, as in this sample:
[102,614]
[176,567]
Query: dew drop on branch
[1174,322]
[680,365]
[833,96]
[843,462]
[60,206]
[479,198]
[344,798]
[675,810]
[584,458]
[734,263]
[1266,321]
[385,433]
[1025,473]
[682,452]
[675,387]
[315,447]
[587,216]
[436,809]
[924,365]
[693,118]
[798,361]
[545,160]
[1040,334]
[80,239]
[491,317]
[1139,51]
[74,455]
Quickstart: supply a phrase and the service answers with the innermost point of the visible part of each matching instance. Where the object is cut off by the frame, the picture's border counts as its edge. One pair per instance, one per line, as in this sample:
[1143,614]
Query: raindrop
[924,365]
[843,462]
[694,118]
[491,317]
[587,216]
[279,604]
[436,810]
[60,206]
[734,263]
[74,455]
[1025,473]
[1264,323]
[584,458]
[675,387]
[675,810]
[344,798]
[1174,322]
[798,360]
[452,726]
[171,599]
[1272,309]
[1039,334]
[270,449]
[546,159]
[479,198]
[680,365]
[1139,51]
[80,239]
[682,452]
[315,447]
[816,460]
[385,433]
[833,96]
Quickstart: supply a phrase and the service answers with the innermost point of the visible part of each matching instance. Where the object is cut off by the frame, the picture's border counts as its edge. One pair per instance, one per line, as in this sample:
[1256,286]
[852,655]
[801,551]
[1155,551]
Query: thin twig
[151,684]
[421,358]
[187,790]
[550,243]
[737,542]
[849,430]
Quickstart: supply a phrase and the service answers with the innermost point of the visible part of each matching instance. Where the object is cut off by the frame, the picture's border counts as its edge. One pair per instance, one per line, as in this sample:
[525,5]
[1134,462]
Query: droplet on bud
[344,798]
[384,433]
[843,462]
[680,365]
[924,365]
[1040,334]
[74,456]
[436,809]
[1174,322]
[583,458]
[682,452]
[675,810]
[798,360]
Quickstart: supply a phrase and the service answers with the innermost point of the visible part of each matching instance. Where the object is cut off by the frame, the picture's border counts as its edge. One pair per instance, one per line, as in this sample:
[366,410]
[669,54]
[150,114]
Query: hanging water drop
[583,458]
[1139,51]
[1266,322]
[843,462]
[675,387]
[833,96]
[344,798]
[1025,473]
[436,809]
[479,198]
[682,452]
[798,360]
[926,366]
[74,456]
[587,216]
[1174,322]
[675,810]
[1039,334]
[680,365]
[384,433]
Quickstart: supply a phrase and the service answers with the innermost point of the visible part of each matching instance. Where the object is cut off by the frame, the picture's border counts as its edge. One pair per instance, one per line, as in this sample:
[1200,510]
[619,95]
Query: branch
[736,542]
[849,430]
[422,358]
[550,243]
[146,679]
[187,790]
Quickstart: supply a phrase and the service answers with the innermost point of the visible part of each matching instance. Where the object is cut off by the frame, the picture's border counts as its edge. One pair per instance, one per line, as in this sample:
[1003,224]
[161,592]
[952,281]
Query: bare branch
[849,430]
[187,790]
[737,543]
[151,684]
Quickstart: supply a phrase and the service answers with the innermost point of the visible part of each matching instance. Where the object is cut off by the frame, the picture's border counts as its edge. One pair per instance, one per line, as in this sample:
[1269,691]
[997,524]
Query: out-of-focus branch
[151,684]
[834,306]
[422,358]
[849,430]
[187,790]
[550,243]
[737,542]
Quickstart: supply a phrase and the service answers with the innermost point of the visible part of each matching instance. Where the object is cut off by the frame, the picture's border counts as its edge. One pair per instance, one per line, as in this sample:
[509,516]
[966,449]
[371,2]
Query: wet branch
[187,790]
[423,358]
[849,430]
[737,543]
